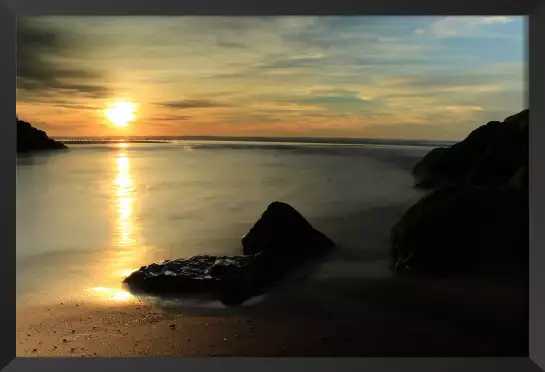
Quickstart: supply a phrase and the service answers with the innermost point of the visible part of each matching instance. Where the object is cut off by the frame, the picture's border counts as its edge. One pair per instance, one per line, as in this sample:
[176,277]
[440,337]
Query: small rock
[237,336]
[172,326]
[324,338]
[35,350]
[72,349]
[65,340]
[73,331]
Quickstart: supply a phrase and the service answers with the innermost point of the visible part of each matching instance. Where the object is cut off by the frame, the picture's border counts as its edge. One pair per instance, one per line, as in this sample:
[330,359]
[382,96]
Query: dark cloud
[191,104]
[451,80]
[75,106]
[231,44]
[172,117]
[329,99]
[335,92]
[37,70]
[292,63]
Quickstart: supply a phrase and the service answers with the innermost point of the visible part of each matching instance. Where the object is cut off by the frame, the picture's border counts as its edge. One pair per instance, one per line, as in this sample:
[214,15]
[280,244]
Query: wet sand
[393,321]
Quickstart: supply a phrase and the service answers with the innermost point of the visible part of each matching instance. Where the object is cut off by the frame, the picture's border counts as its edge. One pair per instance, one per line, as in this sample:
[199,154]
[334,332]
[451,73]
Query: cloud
[76,106]
[464,26]
[280,73]
[191,104]
[37,69]
[293,63]
[171,117]
[231,44]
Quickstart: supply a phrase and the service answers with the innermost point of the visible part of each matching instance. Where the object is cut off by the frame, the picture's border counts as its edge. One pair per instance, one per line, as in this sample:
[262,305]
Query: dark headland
[32,139]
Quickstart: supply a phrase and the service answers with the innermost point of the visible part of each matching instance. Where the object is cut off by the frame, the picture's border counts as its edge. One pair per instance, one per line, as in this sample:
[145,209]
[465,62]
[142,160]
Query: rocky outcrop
[32,139]
[282,231]
[476,220]
[279,242]
[231,279]
[491,155]
[461,231]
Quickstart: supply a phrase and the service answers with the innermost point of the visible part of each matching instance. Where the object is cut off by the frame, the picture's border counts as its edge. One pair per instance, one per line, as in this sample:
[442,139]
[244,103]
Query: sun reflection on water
[126,251]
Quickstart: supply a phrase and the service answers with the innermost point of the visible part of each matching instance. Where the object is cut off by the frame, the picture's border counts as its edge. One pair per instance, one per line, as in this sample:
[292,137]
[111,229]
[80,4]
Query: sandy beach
[425,325]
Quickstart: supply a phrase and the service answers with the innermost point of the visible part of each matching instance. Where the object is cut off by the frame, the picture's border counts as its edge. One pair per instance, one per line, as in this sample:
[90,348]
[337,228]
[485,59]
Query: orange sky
[374,77]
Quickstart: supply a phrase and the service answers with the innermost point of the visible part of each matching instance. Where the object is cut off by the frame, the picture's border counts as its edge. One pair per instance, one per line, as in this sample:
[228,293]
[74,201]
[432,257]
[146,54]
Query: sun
[121,113]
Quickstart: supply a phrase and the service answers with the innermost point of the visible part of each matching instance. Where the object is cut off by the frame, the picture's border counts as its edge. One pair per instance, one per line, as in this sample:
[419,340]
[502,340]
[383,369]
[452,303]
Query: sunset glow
[405,77]
[121,114]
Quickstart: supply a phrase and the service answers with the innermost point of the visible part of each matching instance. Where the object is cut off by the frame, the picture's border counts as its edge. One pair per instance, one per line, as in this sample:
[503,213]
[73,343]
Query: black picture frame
[534,9]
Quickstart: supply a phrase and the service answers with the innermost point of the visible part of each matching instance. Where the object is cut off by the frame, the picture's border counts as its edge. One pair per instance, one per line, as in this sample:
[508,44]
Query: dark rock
[225,277]
[458,231]
[280,241]
[32,139]
[283,232]
[491,155]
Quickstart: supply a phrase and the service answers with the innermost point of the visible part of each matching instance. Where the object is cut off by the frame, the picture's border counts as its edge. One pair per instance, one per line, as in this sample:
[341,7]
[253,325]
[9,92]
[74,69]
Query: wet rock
[490,155]
[459,231]
[280,241]
[32,139]
[223,277]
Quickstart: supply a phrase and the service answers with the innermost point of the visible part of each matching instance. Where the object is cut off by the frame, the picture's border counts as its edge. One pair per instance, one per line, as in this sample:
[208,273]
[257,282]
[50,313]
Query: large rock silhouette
[490,155]
[279,242]
[282,231]
[32,139]
[461,231]
[476,220]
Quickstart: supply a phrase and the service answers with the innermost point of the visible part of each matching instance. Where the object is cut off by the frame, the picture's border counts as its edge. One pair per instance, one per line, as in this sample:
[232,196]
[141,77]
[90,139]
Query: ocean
[89,216]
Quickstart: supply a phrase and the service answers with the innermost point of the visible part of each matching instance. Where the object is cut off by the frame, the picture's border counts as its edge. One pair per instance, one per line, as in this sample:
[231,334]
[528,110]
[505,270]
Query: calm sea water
[89,216]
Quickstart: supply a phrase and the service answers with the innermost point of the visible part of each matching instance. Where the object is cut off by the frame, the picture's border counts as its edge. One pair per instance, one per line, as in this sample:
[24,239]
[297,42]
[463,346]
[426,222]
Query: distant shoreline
[305,140]
[100,142]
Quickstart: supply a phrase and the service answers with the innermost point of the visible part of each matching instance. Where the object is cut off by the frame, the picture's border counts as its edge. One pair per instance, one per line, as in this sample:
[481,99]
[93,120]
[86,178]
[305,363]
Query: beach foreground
[426,325]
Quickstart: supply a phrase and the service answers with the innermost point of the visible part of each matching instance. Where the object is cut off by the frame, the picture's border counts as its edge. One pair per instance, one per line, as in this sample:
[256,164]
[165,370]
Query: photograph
[272,186]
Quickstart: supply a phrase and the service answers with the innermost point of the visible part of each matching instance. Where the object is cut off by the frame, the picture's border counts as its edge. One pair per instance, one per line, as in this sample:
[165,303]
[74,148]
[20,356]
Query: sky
[400,77]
